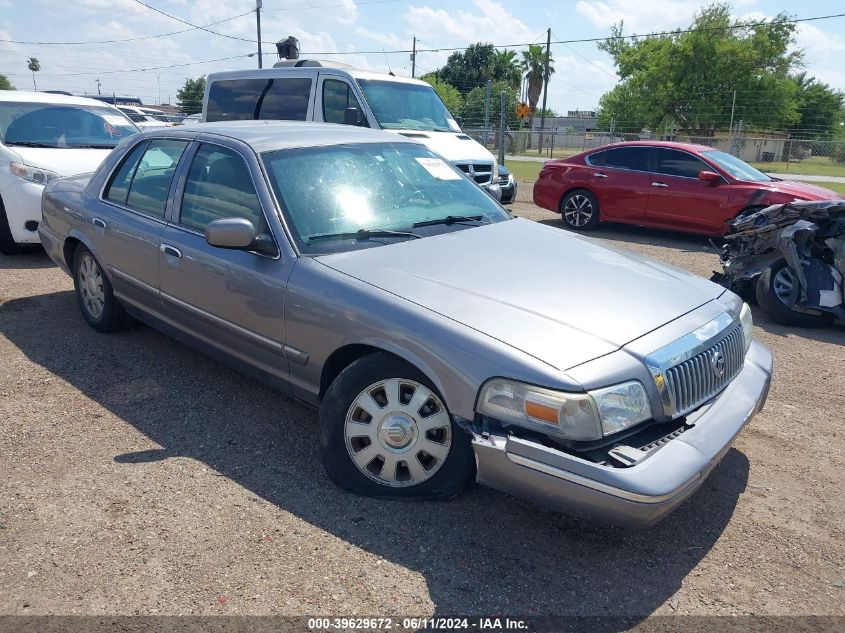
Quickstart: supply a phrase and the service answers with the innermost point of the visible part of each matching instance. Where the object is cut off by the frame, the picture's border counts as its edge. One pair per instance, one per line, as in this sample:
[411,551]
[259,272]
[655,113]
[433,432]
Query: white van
[311,90]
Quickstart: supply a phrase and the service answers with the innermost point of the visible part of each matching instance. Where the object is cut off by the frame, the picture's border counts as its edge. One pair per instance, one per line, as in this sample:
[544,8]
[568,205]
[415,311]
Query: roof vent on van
[309,63]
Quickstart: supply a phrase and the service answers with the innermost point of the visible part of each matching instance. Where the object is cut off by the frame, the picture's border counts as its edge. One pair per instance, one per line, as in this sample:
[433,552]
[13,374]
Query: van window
[337,97]
[246,99]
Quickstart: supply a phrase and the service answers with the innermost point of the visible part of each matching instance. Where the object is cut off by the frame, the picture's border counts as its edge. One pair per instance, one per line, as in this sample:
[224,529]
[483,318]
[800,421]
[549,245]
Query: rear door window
[636,158]
[150,184]
[118,188]
[672,162]
[280,98]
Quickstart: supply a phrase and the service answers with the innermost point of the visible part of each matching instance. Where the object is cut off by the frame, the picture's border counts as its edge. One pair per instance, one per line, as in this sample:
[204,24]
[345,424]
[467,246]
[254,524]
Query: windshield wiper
[452,219]
[363,234]
[92,146]
[31,144]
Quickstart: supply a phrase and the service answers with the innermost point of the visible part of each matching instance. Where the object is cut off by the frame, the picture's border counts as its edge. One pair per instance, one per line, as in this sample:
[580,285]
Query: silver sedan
[442,340]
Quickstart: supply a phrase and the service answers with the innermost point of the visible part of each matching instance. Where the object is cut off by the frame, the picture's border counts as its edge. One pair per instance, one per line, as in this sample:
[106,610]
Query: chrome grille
[482,173]
[696,380]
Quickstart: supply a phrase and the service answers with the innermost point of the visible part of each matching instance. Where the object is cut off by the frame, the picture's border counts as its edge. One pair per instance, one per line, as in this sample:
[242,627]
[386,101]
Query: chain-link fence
[773,153]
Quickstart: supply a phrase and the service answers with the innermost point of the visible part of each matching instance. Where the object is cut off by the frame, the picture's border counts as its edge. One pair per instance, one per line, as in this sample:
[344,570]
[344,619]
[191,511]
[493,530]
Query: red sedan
[677,186]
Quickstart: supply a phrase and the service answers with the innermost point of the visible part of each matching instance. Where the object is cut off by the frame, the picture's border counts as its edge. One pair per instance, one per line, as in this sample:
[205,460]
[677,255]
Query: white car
[146,118]
[43,137]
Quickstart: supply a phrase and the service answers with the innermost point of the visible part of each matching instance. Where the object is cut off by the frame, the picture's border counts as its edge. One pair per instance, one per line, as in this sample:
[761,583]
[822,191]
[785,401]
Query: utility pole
[545,89]
[487,98]
[258,4]
[501,131]
[414,59]
[158,81]
[98,87]
[733,104]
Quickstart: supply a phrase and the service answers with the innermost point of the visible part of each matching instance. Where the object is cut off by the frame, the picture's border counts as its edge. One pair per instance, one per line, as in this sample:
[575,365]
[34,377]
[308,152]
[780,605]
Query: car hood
[453,146]
[802,190]
[561,298]
[64,161]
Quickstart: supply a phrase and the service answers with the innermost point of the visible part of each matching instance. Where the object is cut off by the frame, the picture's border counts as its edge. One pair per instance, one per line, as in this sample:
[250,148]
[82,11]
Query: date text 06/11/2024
[426,624]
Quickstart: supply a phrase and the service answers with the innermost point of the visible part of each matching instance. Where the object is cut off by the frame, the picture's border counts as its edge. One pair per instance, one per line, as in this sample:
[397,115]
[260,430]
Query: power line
[196,26]
[330,6]
[130,39]
[594,39]
[139,70]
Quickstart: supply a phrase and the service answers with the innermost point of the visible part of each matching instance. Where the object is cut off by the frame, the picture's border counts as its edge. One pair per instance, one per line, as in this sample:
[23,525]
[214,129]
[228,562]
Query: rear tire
[579,210]
[8,245]
[775,285]
[94,292]
[385,432]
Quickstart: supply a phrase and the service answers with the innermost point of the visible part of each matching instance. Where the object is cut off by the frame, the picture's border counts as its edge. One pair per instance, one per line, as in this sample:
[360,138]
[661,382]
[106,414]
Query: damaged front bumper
[642,494]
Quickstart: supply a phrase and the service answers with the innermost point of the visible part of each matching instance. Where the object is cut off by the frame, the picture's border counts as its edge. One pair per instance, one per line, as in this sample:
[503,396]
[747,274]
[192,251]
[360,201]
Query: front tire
[385,432]
[94,292]
[579,210]
[776,286]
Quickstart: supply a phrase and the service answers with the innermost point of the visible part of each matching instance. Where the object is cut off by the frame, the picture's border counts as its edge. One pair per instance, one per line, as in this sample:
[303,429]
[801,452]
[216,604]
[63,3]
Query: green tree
[34,66]
[450,96]
[473,110]
[189,97]
[5,84]
[534,67]
[472,68]
[506,67]
[820,108]
[687,79]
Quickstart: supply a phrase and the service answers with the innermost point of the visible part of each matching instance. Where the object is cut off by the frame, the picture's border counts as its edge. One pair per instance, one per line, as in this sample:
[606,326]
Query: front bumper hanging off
[642,494]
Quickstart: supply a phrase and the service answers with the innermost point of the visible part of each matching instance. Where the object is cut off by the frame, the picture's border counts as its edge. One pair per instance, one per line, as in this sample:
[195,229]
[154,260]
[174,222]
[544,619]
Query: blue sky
[347,27]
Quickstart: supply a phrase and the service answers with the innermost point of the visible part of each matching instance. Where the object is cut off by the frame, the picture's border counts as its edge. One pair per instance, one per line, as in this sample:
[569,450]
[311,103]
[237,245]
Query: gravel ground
[140,477]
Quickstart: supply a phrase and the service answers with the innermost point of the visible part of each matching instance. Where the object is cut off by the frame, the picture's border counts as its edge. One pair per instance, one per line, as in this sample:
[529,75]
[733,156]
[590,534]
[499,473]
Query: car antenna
[389,70]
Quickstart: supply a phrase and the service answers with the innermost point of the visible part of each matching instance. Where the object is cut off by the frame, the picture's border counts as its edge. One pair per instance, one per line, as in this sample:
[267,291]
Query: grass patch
[815,166]
[523,169]
[838,187]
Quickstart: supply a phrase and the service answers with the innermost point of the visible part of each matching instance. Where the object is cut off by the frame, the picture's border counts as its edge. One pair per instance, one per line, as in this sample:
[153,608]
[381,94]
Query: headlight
[621,406]
[572,416]
[32,174]
[747,325]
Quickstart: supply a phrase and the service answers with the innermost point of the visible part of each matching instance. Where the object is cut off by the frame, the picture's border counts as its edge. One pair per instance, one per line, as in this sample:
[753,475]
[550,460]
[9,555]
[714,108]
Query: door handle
[167,249]
[99,223]
[659,184]
[600,175]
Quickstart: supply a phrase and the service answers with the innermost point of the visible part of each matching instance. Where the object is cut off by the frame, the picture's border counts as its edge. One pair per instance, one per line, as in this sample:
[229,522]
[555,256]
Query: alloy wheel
[783,285]
[90,279]
[578,210]
[398,432]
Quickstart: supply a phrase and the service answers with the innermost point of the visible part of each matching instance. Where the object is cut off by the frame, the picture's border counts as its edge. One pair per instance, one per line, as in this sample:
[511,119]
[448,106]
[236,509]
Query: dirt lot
[140,477]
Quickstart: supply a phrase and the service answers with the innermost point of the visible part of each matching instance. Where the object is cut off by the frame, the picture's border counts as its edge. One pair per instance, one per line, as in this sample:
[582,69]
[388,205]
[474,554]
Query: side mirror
[459,121]
[234,233]
[352,116]
[708,176]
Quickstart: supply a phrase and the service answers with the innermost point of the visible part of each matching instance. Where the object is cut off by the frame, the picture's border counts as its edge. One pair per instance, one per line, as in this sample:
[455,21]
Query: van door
[335,97]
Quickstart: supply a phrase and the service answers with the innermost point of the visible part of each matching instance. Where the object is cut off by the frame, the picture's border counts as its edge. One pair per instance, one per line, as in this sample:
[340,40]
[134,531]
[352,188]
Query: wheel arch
[347,354]
[72,242]
[572,188]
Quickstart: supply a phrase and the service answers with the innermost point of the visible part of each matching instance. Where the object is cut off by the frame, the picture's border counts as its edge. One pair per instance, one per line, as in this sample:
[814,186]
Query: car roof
[693,147]
[258,73]
[265,136]
[28,96]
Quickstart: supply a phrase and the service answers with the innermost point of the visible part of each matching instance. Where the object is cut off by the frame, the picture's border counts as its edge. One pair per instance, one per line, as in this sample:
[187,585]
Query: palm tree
[507,68]
[34,66]
[534,66]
